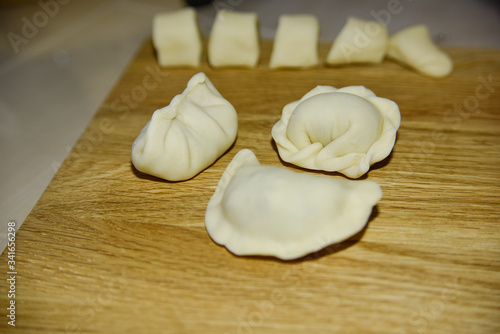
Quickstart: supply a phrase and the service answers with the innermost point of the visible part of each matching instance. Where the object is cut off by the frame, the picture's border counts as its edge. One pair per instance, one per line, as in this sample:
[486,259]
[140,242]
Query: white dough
[296,42]
[359,41]
[188,135]
[414,47]
[234,40]
[177,39]
[273,211]
[345,130]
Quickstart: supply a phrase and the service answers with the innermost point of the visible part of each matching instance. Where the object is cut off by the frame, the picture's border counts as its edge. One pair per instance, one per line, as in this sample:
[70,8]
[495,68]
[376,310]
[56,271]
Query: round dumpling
[342,130]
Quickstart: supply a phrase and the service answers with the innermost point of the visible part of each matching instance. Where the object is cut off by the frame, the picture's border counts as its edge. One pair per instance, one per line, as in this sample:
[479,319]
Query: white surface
[52,86]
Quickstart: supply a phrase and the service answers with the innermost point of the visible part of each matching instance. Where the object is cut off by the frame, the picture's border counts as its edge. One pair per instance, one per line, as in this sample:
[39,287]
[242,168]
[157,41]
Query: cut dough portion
[177,38]
[345,130]
[296,42]
[188,135]
[414,47]
[273,211]
[234,40]
[359,41]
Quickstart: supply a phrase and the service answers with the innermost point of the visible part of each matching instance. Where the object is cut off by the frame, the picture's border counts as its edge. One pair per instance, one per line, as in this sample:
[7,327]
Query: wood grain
[111,250]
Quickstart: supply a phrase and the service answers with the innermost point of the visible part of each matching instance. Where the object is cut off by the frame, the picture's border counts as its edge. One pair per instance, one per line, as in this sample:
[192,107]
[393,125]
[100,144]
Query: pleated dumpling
[342,130]
[274,211]
[188,135]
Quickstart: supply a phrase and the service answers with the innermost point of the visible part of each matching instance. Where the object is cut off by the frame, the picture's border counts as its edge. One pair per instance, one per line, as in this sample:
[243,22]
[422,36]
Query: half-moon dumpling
[342,130]
[188,135]
[274,211]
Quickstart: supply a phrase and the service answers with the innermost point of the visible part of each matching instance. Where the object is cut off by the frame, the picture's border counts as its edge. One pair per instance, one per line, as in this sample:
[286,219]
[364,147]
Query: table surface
[54,81]
[108,249]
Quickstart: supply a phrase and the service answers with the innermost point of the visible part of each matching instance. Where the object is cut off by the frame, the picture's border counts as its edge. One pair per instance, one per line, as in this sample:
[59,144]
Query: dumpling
[359,41]
[234,40]
[296,42]
[414,47]
[188,135]
[177,38]
[274,211]
[342,130]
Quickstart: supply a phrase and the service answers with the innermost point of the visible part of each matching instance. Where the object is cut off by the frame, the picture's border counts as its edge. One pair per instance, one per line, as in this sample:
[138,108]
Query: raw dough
[414,47]
[359,41]
[273,211]
[188,135]
[234,40]
[296,42]
[177,39]
[345,130]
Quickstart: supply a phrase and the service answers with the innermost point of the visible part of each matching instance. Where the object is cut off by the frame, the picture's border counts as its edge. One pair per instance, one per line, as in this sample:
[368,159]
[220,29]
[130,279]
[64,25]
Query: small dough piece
[188,135]
[273,211]
[296,42]
[177,38]
[359,41]
[414,47]
[345,130]
[234,40]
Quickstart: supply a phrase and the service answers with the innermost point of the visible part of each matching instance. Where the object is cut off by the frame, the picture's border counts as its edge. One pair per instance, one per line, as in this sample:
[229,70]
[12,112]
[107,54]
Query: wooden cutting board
[108,249]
